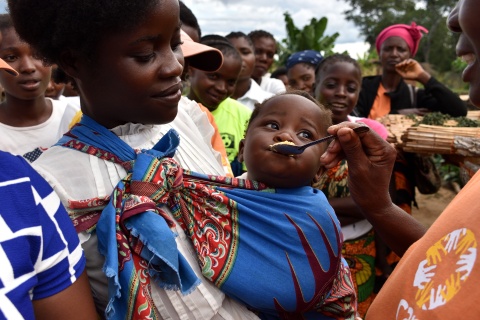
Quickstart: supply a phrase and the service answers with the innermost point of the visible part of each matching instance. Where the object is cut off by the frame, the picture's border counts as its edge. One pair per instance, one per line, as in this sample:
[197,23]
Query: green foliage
[312,36]
[437,49]
[458,65]
[450,173]
[369,63]
[447,171]
[438,46]
[453,78]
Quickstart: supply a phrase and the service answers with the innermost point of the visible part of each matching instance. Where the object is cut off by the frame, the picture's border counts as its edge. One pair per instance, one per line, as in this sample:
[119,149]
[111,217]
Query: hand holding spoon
[288,148]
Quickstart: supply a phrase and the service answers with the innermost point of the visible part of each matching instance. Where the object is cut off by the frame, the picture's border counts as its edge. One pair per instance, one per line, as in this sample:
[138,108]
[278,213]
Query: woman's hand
[410,69]
[370,164]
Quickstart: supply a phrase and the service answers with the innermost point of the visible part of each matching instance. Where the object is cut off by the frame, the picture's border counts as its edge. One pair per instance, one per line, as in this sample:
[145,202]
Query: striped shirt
[40,254]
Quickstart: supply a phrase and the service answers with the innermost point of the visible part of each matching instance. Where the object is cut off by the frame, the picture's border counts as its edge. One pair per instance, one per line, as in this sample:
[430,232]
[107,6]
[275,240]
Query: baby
[300,273]
[234,224]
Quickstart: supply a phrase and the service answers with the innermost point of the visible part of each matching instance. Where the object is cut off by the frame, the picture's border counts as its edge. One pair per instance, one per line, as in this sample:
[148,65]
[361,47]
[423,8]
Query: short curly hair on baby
[326,113]
[53,26]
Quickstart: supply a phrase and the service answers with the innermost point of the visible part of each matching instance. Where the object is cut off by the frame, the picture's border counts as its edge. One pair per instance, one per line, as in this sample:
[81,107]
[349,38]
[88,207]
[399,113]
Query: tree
[438,46]
[310,37]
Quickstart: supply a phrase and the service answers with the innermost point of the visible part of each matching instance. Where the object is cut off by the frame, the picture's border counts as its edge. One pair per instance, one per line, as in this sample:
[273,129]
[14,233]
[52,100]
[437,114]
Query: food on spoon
[274,149]
[272,146]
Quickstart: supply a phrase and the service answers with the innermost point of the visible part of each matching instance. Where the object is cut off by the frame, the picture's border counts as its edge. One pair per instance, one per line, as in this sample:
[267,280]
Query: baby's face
[284,118]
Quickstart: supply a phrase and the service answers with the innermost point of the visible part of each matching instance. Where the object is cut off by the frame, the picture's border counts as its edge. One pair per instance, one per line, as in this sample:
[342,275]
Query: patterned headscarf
[307,56]
[412,34]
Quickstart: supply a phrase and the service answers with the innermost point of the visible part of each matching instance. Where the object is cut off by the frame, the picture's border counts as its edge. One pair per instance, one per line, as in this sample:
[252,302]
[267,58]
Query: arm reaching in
[370,163]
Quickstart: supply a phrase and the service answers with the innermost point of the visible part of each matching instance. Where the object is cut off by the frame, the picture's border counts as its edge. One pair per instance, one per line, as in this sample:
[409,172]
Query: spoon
[291,149]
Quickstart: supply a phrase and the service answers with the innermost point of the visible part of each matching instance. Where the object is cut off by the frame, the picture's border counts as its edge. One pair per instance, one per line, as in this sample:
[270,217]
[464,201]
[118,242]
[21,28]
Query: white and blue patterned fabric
[306,56]
[40,254]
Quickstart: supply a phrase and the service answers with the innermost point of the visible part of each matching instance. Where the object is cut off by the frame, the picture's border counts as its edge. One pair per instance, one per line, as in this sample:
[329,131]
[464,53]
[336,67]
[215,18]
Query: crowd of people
[140,177]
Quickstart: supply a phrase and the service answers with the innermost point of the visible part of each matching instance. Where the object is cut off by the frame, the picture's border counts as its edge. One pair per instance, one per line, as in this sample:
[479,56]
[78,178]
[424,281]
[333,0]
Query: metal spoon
[291,149]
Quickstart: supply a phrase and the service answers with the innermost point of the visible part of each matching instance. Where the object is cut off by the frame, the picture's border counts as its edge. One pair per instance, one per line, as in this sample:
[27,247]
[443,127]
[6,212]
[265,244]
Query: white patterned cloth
[40,254]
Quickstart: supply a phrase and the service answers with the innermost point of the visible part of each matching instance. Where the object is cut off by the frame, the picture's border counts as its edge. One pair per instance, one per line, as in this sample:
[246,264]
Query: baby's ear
[240,150]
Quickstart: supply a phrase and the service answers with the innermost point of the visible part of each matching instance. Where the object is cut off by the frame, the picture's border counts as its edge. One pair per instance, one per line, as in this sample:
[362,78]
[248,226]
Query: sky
[224,16]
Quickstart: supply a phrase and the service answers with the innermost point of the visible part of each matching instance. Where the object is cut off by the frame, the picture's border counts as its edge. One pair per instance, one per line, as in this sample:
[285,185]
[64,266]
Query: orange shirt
[438,277]
[382,105]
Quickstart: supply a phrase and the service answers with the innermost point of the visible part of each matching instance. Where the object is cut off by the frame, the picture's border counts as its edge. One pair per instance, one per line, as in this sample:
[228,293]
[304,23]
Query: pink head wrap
[411,34]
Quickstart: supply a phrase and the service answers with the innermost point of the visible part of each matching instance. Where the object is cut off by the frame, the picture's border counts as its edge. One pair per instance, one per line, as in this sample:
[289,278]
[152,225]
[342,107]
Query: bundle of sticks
[430,139]
[442,140]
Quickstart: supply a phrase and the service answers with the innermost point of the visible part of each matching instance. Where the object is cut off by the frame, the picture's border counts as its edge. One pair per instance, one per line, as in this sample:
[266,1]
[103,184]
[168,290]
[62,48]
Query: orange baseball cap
[5,66]
[200,56]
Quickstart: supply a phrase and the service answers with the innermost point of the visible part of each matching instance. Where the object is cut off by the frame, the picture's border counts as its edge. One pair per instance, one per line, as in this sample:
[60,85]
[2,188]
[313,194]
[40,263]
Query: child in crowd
[207,59]
[59,76]
[55,88]
[338,83]
[213,90]
[62,88]
[301,69]
[33,284]
[337,88]
[247,91]
[265,47]
[126,59]
[281,74]
[204,56]
[29,122]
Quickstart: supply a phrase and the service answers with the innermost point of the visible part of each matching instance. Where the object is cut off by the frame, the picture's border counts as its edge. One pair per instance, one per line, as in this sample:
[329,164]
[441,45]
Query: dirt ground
[431,205]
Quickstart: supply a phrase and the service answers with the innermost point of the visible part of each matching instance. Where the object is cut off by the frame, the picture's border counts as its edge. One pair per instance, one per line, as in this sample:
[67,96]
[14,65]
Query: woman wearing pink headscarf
[389,93]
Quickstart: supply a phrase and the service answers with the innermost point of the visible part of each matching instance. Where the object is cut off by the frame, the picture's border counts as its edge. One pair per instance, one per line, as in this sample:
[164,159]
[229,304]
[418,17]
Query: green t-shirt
[231,117]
